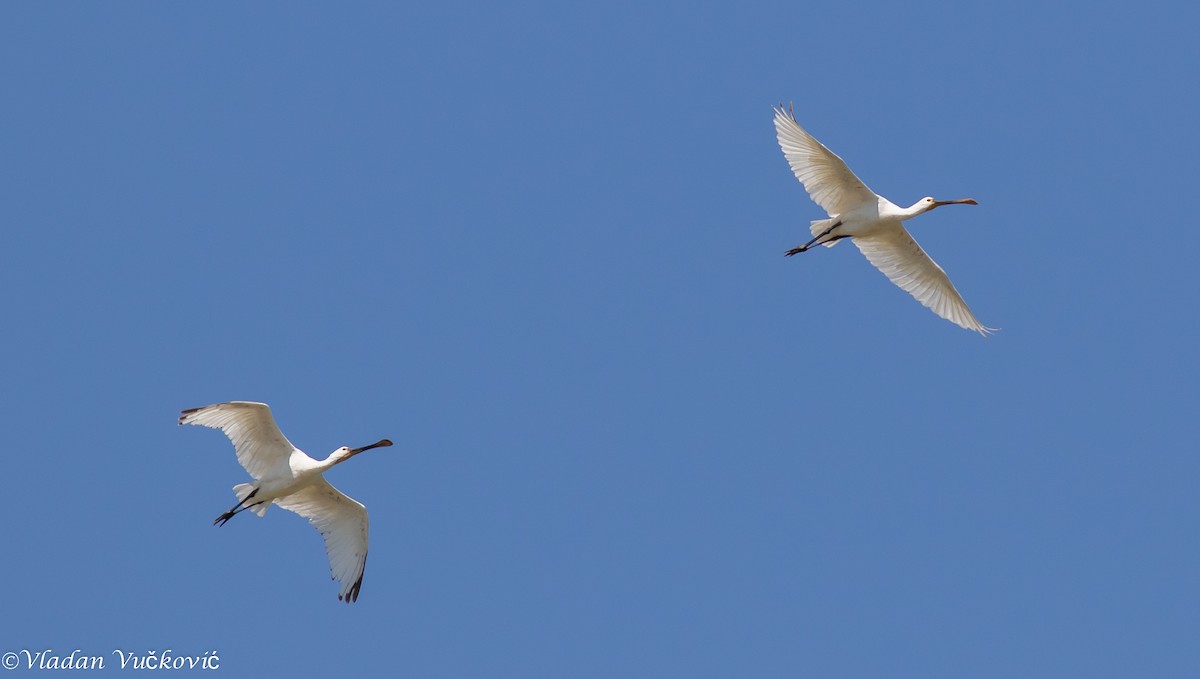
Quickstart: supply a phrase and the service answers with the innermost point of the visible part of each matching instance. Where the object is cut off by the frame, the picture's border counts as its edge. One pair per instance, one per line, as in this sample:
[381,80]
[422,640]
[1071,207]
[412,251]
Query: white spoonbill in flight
[283,474]
[871,221]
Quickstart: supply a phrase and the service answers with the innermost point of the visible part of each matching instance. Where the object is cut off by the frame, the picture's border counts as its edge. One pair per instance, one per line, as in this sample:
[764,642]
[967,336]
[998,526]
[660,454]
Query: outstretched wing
[897,255]
[343,523]
[824,175]
[259,444]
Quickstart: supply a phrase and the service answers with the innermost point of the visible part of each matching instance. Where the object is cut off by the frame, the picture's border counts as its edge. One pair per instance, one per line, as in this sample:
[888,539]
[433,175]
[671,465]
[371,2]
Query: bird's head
[346,452]
[928,203]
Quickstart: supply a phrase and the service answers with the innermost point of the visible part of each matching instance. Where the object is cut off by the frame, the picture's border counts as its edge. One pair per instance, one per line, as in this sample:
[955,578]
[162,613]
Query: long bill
[382,443]
[960,201]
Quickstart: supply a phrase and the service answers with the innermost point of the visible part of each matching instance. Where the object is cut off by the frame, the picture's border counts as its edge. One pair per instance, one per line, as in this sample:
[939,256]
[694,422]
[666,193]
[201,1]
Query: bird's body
[286,476]
[871,221]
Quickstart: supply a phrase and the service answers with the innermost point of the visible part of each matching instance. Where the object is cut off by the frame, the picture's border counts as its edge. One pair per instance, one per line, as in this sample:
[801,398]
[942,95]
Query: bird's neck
[913,210]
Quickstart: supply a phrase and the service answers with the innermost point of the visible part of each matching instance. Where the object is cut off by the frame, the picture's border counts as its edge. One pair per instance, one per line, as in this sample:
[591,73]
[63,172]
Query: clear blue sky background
[540,247]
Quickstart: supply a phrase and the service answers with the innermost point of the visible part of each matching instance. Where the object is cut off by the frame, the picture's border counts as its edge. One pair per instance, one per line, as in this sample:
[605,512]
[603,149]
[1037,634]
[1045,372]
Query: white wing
[824,175]
[259,444]
[898,256]
[343,523]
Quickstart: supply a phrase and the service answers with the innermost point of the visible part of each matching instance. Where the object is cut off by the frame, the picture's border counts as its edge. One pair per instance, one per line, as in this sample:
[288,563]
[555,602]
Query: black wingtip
[351,594]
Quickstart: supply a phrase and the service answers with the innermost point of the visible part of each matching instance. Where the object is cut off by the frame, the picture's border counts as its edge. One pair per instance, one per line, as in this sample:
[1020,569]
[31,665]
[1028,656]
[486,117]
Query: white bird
[871,221]
[286,476]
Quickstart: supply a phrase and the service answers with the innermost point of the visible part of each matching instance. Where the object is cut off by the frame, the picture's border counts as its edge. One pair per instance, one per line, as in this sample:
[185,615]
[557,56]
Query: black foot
[793,251]
[220,520]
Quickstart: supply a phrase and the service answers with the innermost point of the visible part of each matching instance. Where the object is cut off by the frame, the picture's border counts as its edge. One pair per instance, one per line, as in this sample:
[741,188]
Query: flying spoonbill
[283,474]
[871,221]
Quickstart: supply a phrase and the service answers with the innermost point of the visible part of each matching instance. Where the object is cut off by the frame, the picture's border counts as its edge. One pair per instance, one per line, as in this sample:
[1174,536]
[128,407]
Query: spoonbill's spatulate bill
[871,221]
[283,474]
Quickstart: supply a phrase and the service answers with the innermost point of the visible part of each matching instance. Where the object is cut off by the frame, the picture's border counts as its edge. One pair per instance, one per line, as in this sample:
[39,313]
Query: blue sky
[540,247]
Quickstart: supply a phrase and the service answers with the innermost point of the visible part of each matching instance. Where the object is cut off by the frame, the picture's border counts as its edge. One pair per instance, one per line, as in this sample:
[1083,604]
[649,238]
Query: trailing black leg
[816,238]
[236,509]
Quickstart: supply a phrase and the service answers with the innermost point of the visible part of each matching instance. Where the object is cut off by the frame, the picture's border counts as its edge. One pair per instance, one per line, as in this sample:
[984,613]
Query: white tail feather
[242,490]
[818,226]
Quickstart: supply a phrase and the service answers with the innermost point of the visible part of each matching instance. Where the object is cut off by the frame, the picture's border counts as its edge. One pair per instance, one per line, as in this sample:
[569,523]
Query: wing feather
[342,522]
[895,253]
[824,175]
[260,445]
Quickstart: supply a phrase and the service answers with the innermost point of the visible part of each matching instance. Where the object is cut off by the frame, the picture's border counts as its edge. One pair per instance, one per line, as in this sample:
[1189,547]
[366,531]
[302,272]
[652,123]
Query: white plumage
[286,476]
[871,221]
